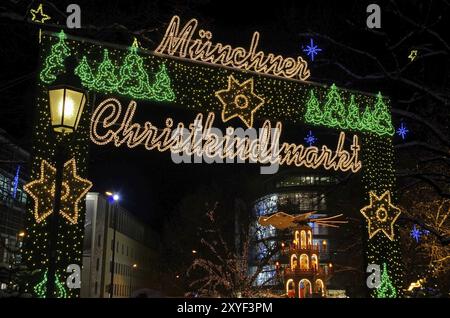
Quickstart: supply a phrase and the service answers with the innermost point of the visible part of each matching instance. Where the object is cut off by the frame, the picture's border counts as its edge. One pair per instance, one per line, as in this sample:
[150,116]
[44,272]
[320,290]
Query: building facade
[134,251]
[292,192]
[13,175]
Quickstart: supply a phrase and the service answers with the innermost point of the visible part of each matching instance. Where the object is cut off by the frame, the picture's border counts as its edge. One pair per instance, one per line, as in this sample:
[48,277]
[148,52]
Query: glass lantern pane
[72,108]
[56,104]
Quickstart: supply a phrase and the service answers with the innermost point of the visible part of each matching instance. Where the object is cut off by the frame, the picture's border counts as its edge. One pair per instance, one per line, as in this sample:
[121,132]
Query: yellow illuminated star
[239,100]
[381,215]
[412,55]
[73,190]
[42,191]
[38,15]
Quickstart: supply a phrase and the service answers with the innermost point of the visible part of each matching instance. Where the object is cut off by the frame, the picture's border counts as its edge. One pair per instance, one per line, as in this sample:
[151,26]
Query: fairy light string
[191,85]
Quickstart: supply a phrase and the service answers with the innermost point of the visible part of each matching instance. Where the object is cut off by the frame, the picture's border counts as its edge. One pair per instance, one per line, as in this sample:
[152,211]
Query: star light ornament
[310,139]
[312,50]
[38,15]
[415,233]
[239,100]
[402,131]
[381,215]
[42,191]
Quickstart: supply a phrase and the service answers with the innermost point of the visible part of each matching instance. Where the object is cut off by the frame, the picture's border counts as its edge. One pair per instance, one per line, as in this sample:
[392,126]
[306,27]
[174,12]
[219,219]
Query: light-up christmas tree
[381,117]
[106,79]
[313,113]
[334,112]
[386,289]
[54,62]
[367,122]
[84,71]
[161,87]
[353,117]
[133,77]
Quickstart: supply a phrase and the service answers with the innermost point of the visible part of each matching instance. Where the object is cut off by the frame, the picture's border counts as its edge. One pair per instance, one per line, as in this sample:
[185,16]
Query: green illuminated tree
[382,118]
[353,117]
[84,72]
[334,112]
[54,63]
[106,79]
[161,87]
[367,122]
[386,289]
[133,77]
[313,112]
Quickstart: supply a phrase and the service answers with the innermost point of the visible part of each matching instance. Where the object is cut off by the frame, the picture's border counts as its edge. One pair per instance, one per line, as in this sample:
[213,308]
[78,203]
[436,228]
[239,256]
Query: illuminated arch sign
[239,88]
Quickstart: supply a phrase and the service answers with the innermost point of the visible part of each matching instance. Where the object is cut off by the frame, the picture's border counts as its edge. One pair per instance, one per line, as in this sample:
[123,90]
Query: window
[96,288]
[127,250]
[117,247]
[123,249]
[99,239]
[97,266]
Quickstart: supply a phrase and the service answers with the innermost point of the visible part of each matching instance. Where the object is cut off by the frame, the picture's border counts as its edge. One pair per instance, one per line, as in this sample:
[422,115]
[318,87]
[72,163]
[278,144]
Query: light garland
[379,176]
[194,85]
[108,114]
[69,239]
[239,100]
[336,114]
[132,81]
[386,289]
[41,287]
[54,63]
[381,215]
[179,43]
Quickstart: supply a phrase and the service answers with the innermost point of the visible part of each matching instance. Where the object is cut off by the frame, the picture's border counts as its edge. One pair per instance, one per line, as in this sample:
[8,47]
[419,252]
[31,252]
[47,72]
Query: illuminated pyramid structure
[304,276]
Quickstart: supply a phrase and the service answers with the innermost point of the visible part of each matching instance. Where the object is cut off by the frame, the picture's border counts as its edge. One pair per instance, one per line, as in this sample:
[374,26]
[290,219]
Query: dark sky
[150,184]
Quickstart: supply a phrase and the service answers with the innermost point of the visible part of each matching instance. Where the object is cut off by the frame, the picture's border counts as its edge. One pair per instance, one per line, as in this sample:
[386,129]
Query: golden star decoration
[381,215]
[38,15]
[239,100]
[42,191]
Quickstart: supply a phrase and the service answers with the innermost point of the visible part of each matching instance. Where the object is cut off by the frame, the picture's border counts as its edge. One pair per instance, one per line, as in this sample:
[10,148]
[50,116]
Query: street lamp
[66,106]
[115,199]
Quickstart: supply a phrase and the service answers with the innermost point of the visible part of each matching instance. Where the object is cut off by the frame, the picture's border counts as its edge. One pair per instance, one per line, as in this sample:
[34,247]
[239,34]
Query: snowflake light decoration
[310,139]
[312,50]
[402,131]
[415,233]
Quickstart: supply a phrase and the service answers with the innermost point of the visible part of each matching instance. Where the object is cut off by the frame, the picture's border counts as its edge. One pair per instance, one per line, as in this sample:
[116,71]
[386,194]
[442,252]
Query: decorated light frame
[194,85]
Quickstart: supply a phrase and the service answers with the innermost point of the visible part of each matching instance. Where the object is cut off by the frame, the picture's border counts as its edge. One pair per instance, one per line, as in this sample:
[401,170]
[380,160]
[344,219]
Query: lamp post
[132,281]
[115,198]
[66,106]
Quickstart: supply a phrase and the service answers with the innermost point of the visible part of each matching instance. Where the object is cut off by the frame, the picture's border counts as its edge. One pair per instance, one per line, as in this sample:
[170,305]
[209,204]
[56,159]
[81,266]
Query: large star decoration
[42,191]
[38,15]
[239,100]
[381,215]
